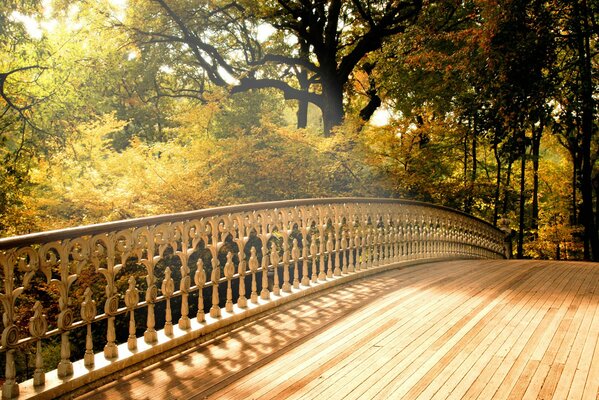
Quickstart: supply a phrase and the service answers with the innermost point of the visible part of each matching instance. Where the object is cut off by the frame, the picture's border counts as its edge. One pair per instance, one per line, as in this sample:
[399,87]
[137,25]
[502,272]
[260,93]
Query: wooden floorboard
[449,330]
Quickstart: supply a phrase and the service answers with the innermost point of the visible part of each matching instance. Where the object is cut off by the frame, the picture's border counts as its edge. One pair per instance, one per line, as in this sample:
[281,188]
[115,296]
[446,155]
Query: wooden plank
[474,360]
[395,365]
[453,349]
[576,344]
[504,361]
[255,334]
[338,381]
[357,324]
[530,357]
[471,329]
[295,373]
[589,340]
[544,374]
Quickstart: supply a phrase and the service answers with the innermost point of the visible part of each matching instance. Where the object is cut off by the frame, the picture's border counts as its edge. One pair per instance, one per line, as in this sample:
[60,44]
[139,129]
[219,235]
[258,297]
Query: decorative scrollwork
[112,305]
[10,336]
[88,307]
[38,324]
[65,319]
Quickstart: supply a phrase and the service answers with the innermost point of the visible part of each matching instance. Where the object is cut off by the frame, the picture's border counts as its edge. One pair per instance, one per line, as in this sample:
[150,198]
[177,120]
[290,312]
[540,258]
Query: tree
[321,44]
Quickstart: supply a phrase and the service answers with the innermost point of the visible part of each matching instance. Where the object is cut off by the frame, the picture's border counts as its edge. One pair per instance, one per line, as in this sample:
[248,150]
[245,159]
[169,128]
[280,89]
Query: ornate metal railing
[139,288]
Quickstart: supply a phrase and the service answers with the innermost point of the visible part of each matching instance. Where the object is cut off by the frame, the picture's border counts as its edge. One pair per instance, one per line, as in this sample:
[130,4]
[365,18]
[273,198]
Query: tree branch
[289,92]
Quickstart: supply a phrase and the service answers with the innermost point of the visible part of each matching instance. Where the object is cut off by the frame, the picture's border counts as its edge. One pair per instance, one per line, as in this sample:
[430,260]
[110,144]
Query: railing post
[274,261]
[229,271]
[253,266]
[215,278]
[38,324]
[131,300]
[241,270]
[167,289]
[295,257]
[88,313]
[200,280]
[10,387]
[313,254]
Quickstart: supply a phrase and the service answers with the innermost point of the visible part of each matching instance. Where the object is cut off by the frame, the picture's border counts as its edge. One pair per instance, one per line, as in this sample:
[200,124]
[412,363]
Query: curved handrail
[218,265]
[92,229]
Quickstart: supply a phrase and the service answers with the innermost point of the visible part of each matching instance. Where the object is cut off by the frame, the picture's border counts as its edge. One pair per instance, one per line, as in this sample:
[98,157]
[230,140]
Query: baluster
[65,317]
[389,239]
[295,256]
[10,333]
[253,265]
[343,243]
[150,335]
[313,250]
[38,324]
[337,271]
[110,308]
[358,257]
[88,313]
[168,288]
[369,246]
[368,253]
[131,300]
[321,265]
[200,280]
[229,271]
[330,255]
[180,237]
[10,387]
[350,252]
[380,248]
[274,261]
[184,286]
[286,279]
[396,253]
[264,294]
[305,260]
[215,277]
[242,300]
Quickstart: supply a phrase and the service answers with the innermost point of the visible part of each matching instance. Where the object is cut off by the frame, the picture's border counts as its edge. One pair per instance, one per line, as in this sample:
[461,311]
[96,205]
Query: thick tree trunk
[582,30]
[332,108]
[302,114]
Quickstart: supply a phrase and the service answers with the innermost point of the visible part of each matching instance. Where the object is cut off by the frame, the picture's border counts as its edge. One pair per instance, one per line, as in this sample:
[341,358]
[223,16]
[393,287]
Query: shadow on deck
[459,329]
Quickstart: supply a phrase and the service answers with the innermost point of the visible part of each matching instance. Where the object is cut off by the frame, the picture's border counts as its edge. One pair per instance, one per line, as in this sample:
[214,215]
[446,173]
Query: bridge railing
[82,304]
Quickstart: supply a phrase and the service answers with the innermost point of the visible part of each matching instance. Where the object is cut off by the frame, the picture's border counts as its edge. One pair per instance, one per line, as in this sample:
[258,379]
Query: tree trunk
[497,184]
[520,250]
[332,108]
[302,114]
[574,211]
[467,200]
[582,30]
[302,78]
[474,166]
[536,144]
[508,181]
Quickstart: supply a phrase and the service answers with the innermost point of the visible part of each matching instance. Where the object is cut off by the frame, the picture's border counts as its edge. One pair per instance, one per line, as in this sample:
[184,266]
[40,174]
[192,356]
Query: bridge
[322,298]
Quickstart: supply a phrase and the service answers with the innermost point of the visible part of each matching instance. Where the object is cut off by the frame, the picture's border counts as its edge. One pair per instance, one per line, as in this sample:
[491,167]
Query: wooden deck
[452,330]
